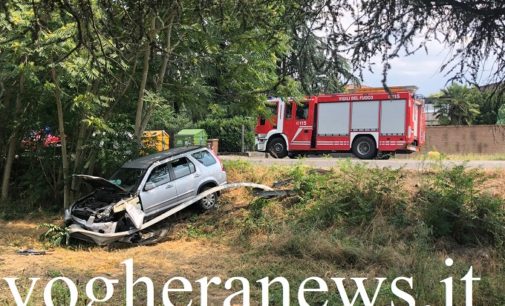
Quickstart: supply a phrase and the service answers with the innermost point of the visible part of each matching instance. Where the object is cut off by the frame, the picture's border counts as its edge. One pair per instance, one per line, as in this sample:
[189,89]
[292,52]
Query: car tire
[364,147]
[210,201]
[277,148]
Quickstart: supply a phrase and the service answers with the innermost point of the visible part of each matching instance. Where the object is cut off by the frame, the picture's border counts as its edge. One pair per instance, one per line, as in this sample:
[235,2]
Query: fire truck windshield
[270,111]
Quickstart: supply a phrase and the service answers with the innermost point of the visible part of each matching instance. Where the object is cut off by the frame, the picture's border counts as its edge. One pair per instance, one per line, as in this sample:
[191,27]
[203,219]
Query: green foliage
[225,56]
[501,115]
[490,103]
[355,220]
[229,132]
[55,235]
[307,183]
[355,196]
[113,146]
[165,118]
[453,206]
[457,105]
[309,62]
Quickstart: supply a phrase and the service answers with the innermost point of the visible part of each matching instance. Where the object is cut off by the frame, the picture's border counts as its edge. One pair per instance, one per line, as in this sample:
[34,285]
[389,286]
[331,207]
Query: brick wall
[485,139]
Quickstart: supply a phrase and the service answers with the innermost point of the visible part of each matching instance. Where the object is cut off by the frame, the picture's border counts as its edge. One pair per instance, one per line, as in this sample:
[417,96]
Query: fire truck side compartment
[365,116]
[333,119]
[393,117]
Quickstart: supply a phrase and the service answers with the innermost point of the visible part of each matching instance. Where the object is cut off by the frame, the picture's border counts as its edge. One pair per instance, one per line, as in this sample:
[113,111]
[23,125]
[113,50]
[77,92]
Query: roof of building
[367,89]
[146,161]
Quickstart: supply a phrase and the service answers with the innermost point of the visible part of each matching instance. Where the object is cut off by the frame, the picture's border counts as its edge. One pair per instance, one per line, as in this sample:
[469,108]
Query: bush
[229,132]
[356,195]
[454,206]
[55,235]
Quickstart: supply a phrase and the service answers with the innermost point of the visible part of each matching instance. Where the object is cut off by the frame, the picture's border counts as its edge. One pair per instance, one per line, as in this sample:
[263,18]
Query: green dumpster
[190,137]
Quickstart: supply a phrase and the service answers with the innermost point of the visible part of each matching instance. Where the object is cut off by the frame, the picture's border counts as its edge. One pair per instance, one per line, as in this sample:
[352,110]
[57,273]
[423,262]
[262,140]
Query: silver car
[146,187]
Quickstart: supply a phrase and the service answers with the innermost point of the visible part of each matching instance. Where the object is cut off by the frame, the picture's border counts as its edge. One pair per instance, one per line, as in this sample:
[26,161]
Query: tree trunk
[158,82]
[78,158]
[61,127]
[11,152]
[166,56]
[143,82]
[13,141]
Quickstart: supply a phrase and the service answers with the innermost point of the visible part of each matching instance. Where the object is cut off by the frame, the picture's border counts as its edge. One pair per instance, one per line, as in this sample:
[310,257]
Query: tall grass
[454,205]
[356,221]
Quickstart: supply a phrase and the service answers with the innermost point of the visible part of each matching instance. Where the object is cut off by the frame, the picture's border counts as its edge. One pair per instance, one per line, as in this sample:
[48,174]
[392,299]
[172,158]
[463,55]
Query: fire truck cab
[367,122]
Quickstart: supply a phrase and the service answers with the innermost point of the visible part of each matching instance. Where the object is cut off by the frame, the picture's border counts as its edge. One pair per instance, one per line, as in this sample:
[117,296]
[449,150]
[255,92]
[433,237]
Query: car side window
[205,158]
[182,167]
[160,175]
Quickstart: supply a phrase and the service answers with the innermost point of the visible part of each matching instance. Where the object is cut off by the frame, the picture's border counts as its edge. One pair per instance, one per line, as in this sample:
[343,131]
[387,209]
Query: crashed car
[145,188]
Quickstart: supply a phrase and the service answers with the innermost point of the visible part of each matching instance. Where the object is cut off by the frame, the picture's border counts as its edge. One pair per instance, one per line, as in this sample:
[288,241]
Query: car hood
[99,182]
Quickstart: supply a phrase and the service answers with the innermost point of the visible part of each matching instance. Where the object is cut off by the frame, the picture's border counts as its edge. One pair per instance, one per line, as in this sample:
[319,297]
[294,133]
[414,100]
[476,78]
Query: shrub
[307,183]
[55,235]
[453,205]
[229,132]
[358,194]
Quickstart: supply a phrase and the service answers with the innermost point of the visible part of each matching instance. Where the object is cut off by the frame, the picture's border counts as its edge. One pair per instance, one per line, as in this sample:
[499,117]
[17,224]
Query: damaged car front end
[109,208]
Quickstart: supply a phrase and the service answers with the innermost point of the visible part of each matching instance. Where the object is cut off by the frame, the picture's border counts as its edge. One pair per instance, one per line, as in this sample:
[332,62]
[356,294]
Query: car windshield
[127,178]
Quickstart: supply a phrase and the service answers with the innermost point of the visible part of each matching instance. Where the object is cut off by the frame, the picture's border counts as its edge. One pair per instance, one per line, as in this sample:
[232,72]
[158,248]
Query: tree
[13,75]
[457,105]
[473,30]
[501,116]
[100,70]
[490,103]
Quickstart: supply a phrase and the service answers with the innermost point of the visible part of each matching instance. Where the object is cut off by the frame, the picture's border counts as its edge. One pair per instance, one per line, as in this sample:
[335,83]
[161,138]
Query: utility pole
[243,139]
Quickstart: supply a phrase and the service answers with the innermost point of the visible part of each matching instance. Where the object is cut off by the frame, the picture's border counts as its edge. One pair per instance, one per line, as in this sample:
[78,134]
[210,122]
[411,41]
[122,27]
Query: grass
[380,222]
[455,157]
[349,221]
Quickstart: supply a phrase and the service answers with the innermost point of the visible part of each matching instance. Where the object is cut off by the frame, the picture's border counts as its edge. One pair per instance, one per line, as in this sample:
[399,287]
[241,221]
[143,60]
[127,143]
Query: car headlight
[67,216]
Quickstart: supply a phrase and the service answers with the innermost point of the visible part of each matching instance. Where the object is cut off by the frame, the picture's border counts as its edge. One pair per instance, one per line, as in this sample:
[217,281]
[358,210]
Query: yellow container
[156,140]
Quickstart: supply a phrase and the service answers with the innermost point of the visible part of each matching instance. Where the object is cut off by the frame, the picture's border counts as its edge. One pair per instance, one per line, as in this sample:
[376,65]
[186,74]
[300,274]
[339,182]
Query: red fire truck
[368,122]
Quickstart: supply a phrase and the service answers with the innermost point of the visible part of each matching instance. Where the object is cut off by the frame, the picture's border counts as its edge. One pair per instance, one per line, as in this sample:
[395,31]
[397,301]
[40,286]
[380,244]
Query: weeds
[453,205]
[381,221]
[55,235]
[356,195]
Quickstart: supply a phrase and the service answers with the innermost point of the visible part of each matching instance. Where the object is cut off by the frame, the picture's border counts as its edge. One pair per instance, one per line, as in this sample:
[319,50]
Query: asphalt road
[328,162]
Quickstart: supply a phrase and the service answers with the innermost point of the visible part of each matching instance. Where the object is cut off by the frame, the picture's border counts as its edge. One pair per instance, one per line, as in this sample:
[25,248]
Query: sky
[420,69]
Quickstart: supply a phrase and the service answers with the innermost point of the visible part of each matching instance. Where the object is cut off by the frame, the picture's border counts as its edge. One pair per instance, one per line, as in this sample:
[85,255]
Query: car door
[159,191]
[184,172]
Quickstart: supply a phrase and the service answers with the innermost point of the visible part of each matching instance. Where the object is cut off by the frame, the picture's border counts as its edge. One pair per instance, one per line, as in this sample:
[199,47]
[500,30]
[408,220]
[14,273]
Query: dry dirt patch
[190,258]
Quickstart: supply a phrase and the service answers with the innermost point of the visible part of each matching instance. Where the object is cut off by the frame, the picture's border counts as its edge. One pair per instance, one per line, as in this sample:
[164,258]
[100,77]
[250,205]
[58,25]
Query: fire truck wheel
[364,147]
[277,148]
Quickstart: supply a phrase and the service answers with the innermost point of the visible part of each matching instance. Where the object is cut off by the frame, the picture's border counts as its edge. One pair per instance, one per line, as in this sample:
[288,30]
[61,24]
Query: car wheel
[364,148]
[277,148]
[210,201]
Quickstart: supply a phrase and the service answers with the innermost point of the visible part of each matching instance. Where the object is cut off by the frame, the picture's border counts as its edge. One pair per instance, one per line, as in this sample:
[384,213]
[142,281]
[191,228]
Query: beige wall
[485,139]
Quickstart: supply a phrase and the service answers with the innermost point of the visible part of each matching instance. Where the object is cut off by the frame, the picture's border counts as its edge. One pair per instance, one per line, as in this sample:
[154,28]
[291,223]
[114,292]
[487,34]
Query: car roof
[146,161]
